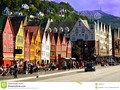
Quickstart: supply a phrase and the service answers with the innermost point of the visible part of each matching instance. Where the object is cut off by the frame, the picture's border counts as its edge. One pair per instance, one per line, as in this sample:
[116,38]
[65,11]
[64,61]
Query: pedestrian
[31,68]
[69,65]
[15,70]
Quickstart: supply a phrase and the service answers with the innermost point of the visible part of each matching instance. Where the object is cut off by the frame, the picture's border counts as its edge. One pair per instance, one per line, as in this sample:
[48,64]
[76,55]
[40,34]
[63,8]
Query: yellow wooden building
[19,37]
[35,43]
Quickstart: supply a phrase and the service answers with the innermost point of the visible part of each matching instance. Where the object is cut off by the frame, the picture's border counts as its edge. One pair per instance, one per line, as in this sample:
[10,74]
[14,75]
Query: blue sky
[108,6]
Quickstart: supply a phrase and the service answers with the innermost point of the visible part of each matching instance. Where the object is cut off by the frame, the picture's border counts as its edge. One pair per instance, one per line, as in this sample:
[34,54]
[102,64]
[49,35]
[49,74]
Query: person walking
[15,70]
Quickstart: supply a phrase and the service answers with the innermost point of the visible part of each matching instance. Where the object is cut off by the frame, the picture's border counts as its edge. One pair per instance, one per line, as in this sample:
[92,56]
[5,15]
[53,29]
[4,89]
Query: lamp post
[84,46]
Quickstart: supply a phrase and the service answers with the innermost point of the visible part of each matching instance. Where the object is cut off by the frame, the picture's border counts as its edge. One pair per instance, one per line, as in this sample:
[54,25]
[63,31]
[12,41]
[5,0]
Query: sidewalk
[40,74]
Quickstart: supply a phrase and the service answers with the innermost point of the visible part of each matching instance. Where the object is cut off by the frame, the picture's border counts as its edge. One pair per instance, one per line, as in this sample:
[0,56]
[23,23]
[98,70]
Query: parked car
[118,62]
[112,63]
[89,66]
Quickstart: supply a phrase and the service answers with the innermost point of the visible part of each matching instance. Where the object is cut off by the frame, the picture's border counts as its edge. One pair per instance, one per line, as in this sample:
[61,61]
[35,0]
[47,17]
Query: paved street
[110,74]
[102,74]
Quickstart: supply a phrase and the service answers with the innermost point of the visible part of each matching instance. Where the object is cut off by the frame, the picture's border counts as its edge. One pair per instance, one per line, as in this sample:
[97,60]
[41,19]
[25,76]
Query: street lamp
[84,46]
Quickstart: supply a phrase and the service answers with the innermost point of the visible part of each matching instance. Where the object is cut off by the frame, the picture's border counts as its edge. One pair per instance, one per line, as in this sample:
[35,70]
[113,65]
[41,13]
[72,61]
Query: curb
[42,76]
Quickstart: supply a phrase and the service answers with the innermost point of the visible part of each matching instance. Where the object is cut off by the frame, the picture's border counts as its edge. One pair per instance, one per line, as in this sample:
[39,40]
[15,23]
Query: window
[91,36]
[52,53]
[83,30]
[79,35]
[4,48]
[86,36]
[91,27]
[73,38]
[76,31]
[4,35]
[8,36]
[10,48]
[79,23]
[47,47]
[20,39]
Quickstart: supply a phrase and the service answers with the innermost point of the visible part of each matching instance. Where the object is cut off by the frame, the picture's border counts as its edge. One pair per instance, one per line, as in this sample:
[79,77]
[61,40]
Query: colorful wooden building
[63,46]
[8,42]
[69,49]
[19,37]
[52,47]
[48,44]
[35,43]
[27,46]
[58,45]
[43,51]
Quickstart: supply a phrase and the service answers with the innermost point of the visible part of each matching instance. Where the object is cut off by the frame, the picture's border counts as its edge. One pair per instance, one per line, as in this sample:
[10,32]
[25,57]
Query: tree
[76,51]
[36,3]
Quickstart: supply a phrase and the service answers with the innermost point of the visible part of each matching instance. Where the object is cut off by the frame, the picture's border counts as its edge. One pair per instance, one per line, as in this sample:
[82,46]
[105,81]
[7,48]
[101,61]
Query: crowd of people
[29,68]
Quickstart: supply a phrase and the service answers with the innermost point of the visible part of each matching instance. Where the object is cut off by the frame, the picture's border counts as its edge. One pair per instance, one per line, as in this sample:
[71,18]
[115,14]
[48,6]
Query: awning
[10,58]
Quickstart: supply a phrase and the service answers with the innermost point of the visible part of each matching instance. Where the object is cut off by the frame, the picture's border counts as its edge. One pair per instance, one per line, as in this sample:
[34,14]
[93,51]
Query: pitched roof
[33,29]
[41,34]
[18,18]
[61,37]
[43,25]
[69,24]
[26,32]
[2,23]
[15,25]
[51,36]
[56,37]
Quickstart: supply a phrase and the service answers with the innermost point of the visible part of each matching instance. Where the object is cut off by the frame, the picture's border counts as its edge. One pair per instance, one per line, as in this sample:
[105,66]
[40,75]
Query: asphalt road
[102,74]
[110,74]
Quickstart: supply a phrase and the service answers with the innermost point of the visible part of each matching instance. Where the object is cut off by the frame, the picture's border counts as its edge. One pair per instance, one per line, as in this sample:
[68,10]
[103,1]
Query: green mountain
[102,16]
[41,9]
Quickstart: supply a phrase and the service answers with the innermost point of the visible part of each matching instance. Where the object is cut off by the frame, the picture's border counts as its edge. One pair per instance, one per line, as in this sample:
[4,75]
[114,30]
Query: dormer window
[91,36]
[76,31]
[55,30]
[86,36]
[60,30]
[49,30]
[83,31]
[67,30]
[79,23]
[91,27]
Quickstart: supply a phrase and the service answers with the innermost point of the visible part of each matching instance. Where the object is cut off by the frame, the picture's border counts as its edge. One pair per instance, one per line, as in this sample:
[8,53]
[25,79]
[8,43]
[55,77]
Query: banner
[59,85]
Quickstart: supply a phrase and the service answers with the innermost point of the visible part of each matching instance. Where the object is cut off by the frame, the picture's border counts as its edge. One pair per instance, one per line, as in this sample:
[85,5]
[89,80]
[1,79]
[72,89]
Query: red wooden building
[52,48]
[8,43]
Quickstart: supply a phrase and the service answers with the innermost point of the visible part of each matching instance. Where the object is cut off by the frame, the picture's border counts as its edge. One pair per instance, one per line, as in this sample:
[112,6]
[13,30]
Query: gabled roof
[61,37]
[43,25]
[31,34]
[69,24]
[16,26]
[2,23]
[26,32]
[18,18]
[33,29]
[51,36]
[41,34]
[56,37]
